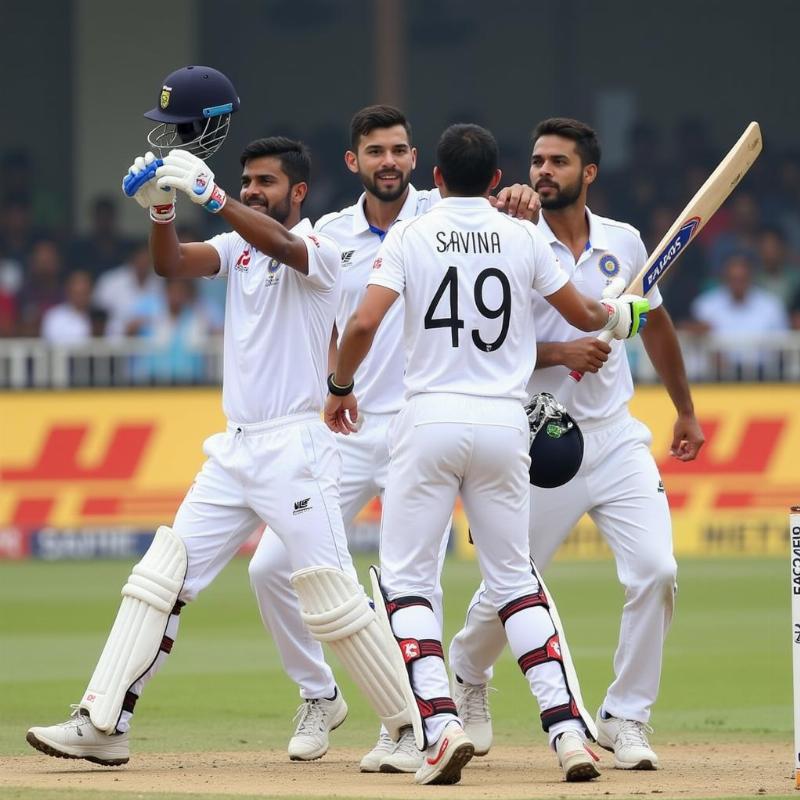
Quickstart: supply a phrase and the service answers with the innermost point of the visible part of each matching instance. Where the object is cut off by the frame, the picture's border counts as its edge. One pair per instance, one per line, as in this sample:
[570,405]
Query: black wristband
[339,391]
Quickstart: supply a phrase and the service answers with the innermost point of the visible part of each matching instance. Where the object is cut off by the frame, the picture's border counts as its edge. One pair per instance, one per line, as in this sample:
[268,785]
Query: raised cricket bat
[710,196]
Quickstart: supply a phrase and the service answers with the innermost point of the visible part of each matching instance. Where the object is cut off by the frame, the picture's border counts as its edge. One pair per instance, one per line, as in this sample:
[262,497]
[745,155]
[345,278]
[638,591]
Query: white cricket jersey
[614,249]
[380,377]
[278,325]
[466,272]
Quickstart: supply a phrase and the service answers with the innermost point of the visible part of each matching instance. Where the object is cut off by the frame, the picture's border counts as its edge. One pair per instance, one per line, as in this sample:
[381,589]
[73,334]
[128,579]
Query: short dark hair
[467,157]
[294,156]
[372,117]
[579,132]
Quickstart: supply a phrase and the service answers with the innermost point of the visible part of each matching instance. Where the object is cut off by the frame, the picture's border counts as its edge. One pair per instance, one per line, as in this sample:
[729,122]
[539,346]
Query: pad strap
[414,649]
[521,603]
[436,705]
[550,651]
[560,714]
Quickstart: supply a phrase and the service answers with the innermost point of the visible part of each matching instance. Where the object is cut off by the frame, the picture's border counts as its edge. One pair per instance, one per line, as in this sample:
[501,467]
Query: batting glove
[627,315]
[139,184]
[184,171]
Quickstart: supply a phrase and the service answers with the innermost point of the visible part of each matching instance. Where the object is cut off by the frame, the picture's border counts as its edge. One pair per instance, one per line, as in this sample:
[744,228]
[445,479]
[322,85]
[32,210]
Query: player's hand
[687,438]
[341,413]
[585,355]
[141,174]
[191,175]
[627,315]
[518,201]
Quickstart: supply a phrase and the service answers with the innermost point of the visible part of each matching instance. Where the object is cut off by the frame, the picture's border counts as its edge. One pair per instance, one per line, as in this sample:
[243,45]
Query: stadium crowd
[742,275]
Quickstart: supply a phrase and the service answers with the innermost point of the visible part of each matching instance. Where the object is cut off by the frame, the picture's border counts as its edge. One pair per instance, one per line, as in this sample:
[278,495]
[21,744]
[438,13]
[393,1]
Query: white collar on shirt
[409,210]
[597,233]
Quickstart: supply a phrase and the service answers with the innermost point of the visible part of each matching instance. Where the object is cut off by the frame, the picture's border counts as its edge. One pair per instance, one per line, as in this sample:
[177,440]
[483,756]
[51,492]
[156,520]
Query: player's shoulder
[335,221]
[622,232]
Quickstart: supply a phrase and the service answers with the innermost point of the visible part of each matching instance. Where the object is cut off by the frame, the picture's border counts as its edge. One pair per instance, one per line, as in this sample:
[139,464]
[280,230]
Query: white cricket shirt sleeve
[323,260]
[388,268]
[548,277]
[222,243]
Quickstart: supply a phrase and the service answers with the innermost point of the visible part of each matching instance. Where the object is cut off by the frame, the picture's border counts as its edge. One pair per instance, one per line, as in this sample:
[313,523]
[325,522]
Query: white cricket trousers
[365,464]
[620,488]
[284,472]
[443,445]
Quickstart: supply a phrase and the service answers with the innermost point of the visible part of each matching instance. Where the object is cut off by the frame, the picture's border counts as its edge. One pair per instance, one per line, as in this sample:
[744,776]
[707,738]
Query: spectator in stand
[41,286]
[18,176]
[738,308]
[778,272]
[176,328]
[17,229]
[123,289]
[70,322]
[742,235]
[105,247]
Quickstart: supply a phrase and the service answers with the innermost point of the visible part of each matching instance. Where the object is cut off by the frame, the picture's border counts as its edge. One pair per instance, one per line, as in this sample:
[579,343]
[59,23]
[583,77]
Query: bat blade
[709,197]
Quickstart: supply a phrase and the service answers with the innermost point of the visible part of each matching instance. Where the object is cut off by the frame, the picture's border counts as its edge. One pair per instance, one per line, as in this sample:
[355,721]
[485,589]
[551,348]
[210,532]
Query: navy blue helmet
[193,111]
[556,443]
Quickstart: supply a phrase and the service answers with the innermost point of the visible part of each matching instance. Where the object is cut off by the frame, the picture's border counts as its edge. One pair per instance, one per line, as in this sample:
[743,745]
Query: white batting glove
[615,287]
[627,315]
[141,181]
[190,174]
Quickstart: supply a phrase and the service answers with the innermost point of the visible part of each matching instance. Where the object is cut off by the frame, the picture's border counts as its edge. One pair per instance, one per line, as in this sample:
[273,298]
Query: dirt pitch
[697,770]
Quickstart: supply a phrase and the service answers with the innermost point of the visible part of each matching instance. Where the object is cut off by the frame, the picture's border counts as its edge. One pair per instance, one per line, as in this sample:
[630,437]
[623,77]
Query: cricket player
[467,274]
[276,461]
[383,157]
[618,484]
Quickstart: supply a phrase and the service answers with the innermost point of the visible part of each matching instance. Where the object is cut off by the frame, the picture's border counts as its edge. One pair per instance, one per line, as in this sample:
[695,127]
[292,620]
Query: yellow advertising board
[107,460]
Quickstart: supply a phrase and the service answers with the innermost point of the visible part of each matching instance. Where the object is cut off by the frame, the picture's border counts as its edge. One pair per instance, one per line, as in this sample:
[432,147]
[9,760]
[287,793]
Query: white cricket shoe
[575,758]
[372,760]
[627,739]
[405,757]
[472,702]
[78,738]
[315,720]
[444,760]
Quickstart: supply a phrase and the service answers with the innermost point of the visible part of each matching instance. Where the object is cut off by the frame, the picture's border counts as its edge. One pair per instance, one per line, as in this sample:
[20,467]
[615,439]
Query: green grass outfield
[726,673]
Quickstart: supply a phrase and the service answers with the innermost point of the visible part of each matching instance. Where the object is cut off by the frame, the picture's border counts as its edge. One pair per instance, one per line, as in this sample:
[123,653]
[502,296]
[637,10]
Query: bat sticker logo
[670,252]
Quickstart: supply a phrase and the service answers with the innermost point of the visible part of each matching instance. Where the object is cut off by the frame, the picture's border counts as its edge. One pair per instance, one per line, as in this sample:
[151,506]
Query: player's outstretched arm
[622,317]
[192,176]
[341,410]
[661,342]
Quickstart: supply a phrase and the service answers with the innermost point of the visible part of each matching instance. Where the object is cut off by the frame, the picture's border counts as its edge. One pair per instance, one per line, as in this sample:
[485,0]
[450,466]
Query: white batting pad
[148,598]
[336,610]
[566,659]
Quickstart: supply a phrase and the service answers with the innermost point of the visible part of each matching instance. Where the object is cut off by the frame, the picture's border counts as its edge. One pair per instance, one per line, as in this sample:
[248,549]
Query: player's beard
[564,195]
[278,211]
[387,196]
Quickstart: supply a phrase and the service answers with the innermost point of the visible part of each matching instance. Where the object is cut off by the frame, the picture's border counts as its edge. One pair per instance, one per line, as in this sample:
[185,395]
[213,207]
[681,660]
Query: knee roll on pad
[336,610]
[148,598]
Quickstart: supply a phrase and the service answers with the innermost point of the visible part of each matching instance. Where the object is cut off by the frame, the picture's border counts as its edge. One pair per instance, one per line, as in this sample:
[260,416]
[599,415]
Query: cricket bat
[709,197]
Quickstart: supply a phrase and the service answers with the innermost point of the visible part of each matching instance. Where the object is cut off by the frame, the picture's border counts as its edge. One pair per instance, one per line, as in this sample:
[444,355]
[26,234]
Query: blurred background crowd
[75,275]
[741,276]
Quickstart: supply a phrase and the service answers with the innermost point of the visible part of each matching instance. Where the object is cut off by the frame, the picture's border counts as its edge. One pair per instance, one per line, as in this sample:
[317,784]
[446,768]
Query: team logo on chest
[273,265]
[609,265]
[347,257]
[243,262]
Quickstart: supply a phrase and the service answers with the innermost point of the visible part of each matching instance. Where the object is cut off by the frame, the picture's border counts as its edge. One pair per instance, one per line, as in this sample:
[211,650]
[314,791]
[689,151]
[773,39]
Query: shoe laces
[311,718]
[407,744]
[385,742]
[633,733]
[474,702]
[76,718]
